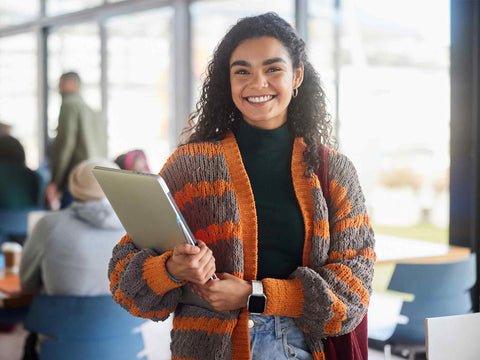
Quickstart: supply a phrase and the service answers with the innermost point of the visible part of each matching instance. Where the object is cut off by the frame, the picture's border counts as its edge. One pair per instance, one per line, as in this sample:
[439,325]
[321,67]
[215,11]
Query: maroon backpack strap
[354,345]
[322,173]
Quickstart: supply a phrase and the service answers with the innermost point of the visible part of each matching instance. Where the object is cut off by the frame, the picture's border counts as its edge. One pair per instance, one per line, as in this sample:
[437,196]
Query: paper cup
[12,253]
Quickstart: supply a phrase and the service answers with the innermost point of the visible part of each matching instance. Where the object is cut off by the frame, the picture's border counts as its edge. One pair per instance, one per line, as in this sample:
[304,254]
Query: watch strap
[257,288]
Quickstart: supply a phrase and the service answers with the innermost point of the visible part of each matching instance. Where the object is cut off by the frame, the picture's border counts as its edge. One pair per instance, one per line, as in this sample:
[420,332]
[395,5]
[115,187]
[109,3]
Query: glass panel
[73,48]
[321,46]
[18,91]
[139,101]
[56,7]
[220,16]
[14,11]
[395,112]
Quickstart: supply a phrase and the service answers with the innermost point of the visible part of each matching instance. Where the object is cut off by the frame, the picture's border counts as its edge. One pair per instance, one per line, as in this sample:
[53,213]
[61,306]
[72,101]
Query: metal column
[181,64]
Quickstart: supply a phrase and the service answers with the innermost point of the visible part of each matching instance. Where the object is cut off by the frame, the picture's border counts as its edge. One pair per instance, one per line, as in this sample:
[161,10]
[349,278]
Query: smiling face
[262,79]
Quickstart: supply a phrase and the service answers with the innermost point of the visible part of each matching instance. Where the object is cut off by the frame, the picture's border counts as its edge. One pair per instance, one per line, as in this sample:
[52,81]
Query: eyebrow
[266,62]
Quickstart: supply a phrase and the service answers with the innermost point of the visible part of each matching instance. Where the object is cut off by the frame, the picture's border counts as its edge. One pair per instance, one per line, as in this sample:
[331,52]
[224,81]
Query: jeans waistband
[272,323]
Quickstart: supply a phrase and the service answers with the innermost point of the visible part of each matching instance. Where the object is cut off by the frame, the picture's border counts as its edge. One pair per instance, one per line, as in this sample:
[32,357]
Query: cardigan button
[250,324]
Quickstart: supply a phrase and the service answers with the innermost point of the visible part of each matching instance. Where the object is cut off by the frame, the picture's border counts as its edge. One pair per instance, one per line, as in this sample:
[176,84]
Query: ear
[298,77]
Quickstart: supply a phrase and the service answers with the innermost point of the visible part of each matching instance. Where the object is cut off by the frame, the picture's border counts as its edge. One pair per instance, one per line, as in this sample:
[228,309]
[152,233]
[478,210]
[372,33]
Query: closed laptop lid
[144,206]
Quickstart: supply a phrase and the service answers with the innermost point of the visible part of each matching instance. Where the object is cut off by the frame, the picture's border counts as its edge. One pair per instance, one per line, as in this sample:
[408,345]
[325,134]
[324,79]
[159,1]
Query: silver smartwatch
[257,301]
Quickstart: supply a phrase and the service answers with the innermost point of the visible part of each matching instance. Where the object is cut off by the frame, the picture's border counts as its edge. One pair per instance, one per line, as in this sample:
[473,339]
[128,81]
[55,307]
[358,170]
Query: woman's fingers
[210,270]
[186,249]
[202,275]
[194,263]
[206,257]
[202,258]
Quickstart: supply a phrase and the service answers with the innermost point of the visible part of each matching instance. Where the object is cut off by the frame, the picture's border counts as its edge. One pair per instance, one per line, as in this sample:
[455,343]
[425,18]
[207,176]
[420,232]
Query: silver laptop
[145,207]
[149,214]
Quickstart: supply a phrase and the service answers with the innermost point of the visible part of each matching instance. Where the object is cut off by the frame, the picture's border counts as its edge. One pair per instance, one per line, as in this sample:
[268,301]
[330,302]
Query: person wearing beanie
[68,251]
[82,183]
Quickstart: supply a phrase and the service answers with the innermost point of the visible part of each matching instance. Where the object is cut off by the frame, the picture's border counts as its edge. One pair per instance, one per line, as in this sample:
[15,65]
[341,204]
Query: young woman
[291,269]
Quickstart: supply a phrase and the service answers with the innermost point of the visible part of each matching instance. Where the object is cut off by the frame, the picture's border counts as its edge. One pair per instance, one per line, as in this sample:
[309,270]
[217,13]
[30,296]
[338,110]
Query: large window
[18,91]
[56,7]
[384,66]
[14,12]
[139,83]
[321,47]
[394,112]
[73,48]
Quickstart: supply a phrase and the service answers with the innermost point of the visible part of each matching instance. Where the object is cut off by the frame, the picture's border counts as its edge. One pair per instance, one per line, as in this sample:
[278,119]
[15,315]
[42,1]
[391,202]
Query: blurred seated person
[134,160]
[20,187]
[68,251]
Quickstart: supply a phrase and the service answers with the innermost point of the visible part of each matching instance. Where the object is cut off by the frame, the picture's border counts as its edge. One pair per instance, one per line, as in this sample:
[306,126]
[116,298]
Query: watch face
[256,304]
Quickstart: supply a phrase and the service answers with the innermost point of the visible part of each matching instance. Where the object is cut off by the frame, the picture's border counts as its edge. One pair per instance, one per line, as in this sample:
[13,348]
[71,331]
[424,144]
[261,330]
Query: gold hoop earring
[295,93]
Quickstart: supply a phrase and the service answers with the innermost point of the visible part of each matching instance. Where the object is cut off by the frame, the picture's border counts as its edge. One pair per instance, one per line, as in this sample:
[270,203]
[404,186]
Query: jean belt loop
[278,326]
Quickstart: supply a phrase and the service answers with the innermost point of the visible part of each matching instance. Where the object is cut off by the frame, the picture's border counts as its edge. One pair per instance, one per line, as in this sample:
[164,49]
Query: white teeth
[257,99]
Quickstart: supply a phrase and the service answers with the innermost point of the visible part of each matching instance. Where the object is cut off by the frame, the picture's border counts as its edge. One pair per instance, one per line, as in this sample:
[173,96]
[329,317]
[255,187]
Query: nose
[259,81]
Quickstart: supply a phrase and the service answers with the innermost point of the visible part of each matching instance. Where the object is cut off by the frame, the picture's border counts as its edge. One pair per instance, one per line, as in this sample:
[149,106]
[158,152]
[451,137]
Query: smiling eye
[241,72]
[273,69]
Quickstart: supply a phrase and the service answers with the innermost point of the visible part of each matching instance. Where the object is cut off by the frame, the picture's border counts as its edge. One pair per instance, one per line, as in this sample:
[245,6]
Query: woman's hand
[195,264]
[227,292]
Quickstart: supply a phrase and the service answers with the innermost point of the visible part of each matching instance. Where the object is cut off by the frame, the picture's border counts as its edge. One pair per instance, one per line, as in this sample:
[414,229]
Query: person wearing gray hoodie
[68,251]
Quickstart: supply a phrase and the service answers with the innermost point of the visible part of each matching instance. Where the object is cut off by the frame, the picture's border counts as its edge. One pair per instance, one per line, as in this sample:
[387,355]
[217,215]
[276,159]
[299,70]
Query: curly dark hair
[216,112]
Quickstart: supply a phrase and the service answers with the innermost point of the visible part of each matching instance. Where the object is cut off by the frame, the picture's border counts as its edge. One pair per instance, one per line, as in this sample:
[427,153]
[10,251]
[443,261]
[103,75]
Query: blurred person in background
[134,160]
[20,187]
[81,135]
[68,251]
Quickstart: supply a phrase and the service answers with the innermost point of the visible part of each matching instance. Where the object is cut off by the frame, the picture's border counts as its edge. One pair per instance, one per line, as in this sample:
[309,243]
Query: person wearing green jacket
[81,135]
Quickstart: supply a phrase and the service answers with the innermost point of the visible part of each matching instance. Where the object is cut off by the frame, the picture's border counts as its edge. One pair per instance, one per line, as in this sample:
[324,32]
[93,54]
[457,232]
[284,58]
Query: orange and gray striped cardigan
[327,296]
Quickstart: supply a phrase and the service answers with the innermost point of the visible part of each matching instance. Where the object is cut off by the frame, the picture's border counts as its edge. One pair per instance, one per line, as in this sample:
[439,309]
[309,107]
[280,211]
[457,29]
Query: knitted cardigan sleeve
[331,299]
[139,281]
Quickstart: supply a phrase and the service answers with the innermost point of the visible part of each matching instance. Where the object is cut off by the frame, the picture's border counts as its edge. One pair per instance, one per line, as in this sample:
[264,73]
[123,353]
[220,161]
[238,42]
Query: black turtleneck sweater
[267,157]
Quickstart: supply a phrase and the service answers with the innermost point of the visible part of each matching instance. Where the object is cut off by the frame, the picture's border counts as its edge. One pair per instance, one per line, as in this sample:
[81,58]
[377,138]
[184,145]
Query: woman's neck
[254,139]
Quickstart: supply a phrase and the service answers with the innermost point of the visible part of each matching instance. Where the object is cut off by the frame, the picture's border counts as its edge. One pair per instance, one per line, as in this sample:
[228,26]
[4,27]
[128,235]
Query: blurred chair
[14,224]
[453,337]
[13,315]
[439,289]
[81,328]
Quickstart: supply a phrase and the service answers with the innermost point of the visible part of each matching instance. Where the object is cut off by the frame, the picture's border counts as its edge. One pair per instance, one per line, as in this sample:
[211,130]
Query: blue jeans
[276,337]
